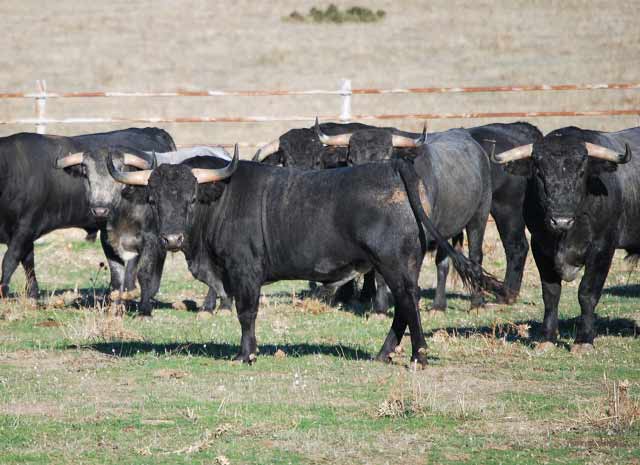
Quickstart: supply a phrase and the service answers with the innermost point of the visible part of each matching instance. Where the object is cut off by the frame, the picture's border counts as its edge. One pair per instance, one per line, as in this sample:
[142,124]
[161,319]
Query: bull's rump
[326,225]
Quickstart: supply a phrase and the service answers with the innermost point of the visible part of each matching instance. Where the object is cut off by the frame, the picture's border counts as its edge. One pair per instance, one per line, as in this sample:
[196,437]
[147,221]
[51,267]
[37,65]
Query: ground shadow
[226,351]
[605,326]
[631,290]
[90,297]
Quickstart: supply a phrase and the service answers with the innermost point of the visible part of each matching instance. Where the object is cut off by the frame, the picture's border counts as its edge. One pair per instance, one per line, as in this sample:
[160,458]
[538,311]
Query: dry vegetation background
[166,45]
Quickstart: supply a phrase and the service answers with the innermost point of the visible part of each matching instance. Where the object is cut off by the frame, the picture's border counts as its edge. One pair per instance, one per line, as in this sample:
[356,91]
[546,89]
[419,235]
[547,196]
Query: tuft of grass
[333,14]
[619,412]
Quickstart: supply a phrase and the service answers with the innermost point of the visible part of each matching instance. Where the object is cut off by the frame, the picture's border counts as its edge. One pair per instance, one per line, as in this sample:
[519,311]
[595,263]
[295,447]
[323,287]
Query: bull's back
[455,172]
[33,190]
[628,176]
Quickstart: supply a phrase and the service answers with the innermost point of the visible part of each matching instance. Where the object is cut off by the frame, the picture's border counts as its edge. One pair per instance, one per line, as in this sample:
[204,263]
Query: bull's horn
[134,178]
[517,153]
[266,150]
[70,160]
[339,140]
[407,142]
[212,175]
[138,162]
[598,151]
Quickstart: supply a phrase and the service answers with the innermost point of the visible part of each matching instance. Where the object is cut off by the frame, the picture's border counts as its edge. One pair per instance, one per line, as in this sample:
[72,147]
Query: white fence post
[345,92]
[41,106]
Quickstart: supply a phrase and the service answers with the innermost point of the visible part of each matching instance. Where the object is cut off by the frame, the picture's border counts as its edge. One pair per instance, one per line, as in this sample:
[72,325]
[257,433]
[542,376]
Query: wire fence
[345,91]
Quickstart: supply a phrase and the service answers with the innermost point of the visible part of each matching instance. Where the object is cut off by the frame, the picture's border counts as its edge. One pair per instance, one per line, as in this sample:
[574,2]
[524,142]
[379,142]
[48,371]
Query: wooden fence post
[345,92]
[41,106]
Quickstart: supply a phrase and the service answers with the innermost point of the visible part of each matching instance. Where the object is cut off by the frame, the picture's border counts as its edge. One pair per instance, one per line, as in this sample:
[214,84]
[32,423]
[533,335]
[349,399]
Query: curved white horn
[134,178]
[598,151]
[204,175]
[70,160]
[341,140]
[138,162]
[517,153]
[266,150]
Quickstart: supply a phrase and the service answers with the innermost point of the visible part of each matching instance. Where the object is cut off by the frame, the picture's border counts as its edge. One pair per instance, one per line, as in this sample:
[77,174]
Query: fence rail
[345,92]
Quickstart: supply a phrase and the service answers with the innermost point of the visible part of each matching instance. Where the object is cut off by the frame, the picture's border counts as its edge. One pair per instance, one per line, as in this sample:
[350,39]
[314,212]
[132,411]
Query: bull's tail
[473,276]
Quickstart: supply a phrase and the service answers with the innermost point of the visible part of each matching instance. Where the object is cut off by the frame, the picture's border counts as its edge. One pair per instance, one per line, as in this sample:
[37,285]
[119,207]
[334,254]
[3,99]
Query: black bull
[303,149]
[582,203]
[36,198]
[264,224]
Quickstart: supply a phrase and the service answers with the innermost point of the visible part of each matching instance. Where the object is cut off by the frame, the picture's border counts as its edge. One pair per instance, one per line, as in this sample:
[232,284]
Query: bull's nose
[172,241]
[561,223]
[100,212]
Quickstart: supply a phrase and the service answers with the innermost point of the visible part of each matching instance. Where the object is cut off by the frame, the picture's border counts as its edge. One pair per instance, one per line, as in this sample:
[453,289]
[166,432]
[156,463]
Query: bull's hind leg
[247,305]
[28,263]
[475,237]
[18,248]
[404,287]
[442,266]
[511,229]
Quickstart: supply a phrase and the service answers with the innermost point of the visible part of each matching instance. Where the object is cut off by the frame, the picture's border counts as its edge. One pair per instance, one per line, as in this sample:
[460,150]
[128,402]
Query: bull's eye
[193,200]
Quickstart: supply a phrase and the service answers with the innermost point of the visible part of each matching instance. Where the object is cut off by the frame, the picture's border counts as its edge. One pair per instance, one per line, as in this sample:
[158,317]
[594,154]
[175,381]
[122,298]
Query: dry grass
[618,411]
[101,324]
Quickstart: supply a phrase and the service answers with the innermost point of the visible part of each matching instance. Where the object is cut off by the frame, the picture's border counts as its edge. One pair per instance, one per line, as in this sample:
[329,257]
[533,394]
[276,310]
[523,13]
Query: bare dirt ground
[166,45]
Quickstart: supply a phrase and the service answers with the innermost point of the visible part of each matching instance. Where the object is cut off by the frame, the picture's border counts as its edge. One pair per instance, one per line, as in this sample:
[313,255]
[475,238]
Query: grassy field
[81,386]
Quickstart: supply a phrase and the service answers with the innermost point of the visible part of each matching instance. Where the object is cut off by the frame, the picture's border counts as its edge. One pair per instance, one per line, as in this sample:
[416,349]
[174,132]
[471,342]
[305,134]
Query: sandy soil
[164,45]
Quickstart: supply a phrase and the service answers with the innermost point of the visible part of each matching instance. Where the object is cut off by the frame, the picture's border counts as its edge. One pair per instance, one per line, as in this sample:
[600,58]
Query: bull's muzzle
[172,242]
[100,213]
[561,223]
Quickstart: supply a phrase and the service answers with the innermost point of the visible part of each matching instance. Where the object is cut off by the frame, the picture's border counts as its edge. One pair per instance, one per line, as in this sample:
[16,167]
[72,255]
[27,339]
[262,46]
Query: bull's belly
[323,271]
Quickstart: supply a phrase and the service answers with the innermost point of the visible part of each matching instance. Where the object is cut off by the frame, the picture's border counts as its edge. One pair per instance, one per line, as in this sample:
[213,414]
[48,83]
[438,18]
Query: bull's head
[564,169]
[370,145]
[103,191]
[172,192]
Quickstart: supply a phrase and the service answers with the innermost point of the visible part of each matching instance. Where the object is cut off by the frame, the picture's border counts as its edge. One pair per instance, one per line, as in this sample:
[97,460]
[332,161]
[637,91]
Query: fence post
[41,106]
[345,92]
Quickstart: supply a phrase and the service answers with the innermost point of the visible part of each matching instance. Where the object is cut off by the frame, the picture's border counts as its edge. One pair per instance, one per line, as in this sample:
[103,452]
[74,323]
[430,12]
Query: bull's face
[564,169]
[560,172]
[173,191]
[103,191]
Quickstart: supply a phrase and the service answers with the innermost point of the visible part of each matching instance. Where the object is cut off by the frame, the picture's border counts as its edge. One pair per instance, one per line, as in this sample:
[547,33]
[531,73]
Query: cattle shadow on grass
[225,351]
[631,290]
[92,297]
[604,326]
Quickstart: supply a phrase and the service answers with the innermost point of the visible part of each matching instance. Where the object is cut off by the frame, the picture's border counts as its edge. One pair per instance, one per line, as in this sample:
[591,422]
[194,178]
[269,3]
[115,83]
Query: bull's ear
[597,166]
[519,167]
[210,192]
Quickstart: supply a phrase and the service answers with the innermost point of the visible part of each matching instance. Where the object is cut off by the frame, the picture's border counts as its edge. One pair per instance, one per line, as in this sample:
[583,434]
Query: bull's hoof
[385,357]
[420,360]
[545,346]
[582,348]
[244,358]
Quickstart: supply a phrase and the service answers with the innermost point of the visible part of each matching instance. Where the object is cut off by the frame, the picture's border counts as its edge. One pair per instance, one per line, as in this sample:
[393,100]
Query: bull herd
[330,202]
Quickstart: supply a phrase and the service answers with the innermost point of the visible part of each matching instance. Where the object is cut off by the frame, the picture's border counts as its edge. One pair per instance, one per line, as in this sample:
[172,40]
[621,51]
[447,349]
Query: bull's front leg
[247,300]
[551,290]
[595,274]
[150,265]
